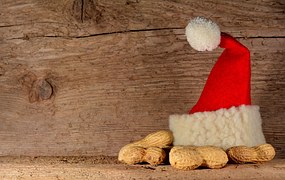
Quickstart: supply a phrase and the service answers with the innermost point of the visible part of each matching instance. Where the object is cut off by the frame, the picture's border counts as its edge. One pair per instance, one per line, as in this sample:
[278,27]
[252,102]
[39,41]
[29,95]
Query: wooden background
[83,77]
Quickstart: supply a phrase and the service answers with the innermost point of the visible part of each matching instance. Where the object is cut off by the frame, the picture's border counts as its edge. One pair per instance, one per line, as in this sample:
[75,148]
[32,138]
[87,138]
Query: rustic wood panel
[77,82]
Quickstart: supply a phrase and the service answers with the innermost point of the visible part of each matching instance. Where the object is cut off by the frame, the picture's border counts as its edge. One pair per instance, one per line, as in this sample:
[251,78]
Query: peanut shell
[213,157]
[131,154]
[243,154]
[185,158]
[154,155]
[265,152]
[157,139]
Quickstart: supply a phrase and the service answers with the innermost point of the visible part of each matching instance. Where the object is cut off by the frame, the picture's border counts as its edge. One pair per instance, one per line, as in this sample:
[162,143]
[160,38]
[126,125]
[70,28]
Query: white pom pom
[203,34]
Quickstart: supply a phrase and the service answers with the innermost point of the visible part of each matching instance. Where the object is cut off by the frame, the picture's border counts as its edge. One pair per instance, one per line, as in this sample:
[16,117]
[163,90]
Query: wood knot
[41,90]
[84,10]
[128,2]
[2,71]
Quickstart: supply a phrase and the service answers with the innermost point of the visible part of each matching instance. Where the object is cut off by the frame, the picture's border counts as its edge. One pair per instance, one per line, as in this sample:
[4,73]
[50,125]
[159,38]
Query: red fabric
[229,81]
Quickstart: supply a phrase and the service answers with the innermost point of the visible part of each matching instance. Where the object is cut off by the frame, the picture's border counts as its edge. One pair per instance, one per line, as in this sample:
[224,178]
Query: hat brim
[223,128]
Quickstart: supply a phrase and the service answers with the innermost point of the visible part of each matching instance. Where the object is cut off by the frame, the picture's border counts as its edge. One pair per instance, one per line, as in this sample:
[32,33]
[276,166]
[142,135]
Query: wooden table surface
[107,168]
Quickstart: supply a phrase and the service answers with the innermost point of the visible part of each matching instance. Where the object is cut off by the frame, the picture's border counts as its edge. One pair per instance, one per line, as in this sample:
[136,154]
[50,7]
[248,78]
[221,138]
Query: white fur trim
[223,128]
[203,34]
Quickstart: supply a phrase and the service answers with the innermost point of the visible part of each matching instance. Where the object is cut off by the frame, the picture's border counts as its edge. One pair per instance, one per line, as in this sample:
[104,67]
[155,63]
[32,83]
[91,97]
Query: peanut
[213,157]
[154,155]
[243,154]
[157,139]
[191,157]
[149,149]
[185,158]
[131,154]
[136,154]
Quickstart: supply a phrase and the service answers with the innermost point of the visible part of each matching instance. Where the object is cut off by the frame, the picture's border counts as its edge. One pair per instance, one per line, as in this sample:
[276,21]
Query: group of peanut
[153,149]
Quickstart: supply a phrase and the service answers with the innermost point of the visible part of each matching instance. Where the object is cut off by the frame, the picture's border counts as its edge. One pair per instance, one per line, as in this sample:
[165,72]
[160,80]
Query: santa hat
[223,115]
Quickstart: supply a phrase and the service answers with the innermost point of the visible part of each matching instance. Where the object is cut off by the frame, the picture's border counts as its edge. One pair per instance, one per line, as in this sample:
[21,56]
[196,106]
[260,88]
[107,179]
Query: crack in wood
[12,25]
[82,11]
[99,34]
[28,24]
[128,31]
[132,31]
[257,37]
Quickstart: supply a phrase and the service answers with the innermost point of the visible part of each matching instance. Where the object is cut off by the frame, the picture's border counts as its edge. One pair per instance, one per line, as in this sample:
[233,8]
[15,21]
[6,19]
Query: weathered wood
[33,18]
[54,168]
[71,85]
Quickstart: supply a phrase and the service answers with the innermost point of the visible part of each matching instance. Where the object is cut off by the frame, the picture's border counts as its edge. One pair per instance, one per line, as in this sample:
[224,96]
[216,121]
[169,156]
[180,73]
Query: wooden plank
[69,87]
[34,18]
[110,90]
[88,168]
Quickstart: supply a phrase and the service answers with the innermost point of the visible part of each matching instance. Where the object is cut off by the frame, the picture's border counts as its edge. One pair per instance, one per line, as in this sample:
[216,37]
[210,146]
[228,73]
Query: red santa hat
[223,115]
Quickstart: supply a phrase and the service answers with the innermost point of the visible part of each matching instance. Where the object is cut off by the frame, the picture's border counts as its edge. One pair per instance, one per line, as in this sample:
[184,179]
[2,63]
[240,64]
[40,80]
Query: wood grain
[73,168]
[116,75]
[33,18]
